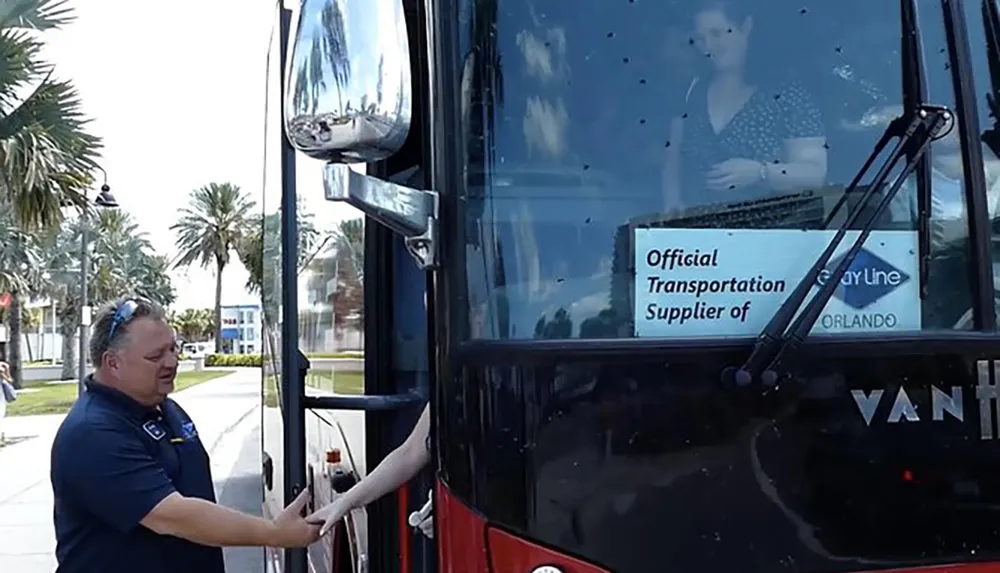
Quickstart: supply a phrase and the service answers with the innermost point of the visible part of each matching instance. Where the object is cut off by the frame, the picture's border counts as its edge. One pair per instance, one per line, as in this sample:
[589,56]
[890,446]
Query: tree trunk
[14,321]
[219,265]
[68,328]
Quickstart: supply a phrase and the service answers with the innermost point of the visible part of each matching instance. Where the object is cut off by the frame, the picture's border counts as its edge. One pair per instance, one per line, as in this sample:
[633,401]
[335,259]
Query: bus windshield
[672,169]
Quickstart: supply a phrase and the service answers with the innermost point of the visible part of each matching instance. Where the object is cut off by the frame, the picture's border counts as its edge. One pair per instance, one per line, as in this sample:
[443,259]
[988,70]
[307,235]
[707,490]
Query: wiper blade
[915,130]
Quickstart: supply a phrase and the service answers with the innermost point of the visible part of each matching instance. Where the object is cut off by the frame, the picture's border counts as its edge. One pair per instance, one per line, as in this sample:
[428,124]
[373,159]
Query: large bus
[690,285]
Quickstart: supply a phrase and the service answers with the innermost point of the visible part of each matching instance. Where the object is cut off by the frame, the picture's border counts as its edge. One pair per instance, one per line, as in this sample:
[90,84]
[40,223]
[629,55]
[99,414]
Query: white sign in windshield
[719,282]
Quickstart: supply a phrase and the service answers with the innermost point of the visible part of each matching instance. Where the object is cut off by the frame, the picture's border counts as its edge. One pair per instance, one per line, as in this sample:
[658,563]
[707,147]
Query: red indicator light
[333,456]
[907,475]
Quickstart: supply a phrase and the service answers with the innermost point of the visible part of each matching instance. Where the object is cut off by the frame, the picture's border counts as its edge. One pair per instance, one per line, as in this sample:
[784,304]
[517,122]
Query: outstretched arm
[396,469]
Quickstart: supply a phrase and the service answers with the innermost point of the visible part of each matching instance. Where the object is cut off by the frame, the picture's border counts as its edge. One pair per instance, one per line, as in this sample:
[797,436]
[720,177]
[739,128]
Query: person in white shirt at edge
[948,216]
[396,469]
[948,211]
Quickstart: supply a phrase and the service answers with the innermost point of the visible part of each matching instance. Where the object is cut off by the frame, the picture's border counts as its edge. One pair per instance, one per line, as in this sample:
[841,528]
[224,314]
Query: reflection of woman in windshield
[740,137]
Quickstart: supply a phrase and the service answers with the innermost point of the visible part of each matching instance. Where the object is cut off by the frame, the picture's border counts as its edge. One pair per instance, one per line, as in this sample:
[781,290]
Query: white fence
[42,346]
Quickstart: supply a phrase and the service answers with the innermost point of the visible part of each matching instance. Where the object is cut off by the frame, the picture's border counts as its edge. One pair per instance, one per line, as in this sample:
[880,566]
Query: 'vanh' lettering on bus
[945,401]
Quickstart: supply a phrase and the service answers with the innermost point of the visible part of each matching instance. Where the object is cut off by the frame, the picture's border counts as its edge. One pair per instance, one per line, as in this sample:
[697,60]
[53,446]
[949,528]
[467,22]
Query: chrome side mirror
[348,101]
[347,98]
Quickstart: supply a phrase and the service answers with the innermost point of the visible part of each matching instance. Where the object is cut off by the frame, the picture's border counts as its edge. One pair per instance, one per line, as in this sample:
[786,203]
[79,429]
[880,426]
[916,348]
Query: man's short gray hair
[101,337]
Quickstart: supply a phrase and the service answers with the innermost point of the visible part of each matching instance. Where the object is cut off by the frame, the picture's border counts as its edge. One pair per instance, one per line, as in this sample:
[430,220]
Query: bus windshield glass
[672,169]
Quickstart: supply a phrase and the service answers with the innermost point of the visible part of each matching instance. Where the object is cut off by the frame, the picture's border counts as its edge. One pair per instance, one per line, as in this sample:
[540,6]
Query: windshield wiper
[915,130]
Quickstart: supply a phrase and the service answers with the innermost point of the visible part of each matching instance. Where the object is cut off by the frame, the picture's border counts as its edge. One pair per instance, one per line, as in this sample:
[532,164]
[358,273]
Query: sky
[177,93]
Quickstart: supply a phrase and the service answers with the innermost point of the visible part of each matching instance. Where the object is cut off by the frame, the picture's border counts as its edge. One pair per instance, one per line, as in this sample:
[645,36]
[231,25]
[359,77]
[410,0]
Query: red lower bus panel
[468,545]
[510,554]
[960,568]
[461,533]
[404,529]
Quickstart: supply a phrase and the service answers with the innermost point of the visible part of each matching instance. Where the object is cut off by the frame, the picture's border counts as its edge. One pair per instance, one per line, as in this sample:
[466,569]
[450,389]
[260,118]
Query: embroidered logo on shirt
[188,430]
[154,430]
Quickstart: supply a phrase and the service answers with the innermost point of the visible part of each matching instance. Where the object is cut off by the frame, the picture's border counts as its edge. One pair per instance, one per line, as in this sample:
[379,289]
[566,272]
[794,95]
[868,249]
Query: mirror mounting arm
[412,213]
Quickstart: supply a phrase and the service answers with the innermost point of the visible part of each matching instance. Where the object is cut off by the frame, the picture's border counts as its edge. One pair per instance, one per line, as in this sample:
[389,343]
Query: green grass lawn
[339,382]
[335,354]
[50,398]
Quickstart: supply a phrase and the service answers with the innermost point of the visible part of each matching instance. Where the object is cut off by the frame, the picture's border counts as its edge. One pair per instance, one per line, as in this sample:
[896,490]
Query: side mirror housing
[348,95]
[348,100]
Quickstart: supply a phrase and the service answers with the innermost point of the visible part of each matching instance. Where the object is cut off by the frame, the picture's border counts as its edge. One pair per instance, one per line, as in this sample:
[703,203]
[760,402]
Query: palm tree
[122,261]
[350,239]
[31,321]
[194,325]
[18,267]
[46,154]
[262,240]
[328,52]
[209,229]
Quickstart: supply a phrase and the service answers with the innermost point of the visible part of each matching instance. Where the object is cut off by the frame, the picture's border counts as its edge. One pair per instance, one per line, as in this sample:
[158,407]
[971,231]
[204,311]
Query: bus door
[344,345]
[396,328]
[361,367]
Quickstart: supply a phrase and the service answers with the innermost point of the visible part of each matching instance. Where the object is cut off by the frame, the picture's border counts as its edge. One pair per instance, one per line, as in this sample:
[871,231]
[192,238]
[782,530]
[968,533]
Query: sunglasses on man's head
[124,313]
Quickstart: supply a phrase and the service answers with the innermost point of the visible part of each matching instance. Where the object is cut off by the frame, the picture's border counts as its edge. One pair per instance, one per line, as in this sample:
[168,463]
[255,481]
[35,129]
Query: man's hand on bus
[207,523]
[330,514]
[293,530]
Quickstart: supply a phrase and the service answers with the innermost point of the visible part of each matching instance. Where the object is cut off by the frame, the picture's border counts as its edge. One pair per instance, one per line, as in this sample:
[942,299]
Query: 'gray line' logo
[868,279]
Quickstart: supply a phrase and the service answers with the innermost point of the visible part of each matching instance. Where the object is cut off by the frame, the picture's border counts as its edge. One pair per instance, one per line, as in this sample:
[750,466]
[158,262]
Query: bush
[234,360]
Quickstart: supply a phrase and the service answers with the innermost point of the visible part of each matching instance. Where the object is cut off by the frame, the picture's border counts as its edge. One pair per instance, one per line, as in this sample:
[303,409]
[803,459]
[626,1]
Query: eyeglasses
[124,313]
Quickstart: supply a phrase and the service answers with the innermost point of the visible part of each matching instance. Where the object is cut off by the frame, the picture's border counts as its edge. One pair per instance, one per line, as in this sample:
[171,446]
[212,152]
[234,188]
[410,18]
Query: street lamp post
[104,199]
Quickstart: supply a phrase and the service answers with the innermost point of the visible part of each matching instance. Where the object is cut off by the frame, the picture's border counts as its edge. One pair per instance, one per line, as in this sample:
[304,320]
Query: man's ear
[111,360]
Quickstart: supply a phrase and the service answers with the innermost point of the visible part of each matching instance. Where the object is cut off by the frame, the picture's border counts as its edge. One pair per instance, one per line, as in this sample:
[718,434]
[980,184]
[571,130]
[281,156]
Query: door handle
[311,486]
[268,472]
[387,402]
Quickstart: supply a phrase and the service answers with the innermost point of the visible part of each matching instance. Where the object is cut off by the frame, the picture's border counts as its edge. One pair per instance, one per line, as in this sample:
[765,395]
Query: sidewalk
[27,540]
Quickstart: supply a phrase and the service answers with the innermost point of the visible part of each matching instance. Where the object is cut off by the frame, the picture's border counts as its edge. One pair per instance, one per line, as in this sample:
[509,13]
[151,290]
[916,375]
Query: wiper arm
[915,130]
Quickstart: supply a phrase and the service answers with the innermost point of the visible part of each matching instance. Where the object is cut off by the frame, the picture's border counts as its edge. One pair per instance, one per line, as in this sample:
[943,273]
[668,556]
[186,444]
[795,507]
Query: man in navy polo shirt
[131,480]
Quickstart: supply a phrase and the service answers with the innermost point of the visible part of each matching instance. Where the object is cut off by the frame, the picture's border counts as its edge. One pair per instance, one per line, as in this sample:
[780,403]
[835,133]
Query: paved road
[241,489]
[227,415]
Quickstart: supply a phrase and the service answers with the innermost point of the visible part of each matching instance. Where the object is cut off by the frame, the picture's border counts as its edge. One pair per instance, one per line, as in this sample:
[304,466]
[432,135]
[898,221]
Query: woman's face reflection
[721,40]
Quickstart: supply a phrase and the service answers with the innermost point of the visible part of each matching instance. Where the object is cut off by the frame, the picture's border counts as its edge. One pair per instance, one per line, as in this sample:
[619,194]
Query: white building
[241,329]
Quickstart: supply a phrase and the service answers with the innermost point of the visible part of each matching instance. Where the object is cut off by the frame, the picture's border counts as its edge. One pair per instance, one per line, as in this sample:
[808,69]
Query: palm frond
[35,14]
[46,153]
[55,108]
[212,225]
[48,157]
[21,67]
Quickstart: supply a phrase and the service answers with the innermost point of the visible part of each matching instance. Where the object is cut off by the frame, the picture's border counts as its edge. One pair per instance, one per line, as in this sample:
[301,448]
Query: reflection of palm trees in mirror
[327,51]
[378,86]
